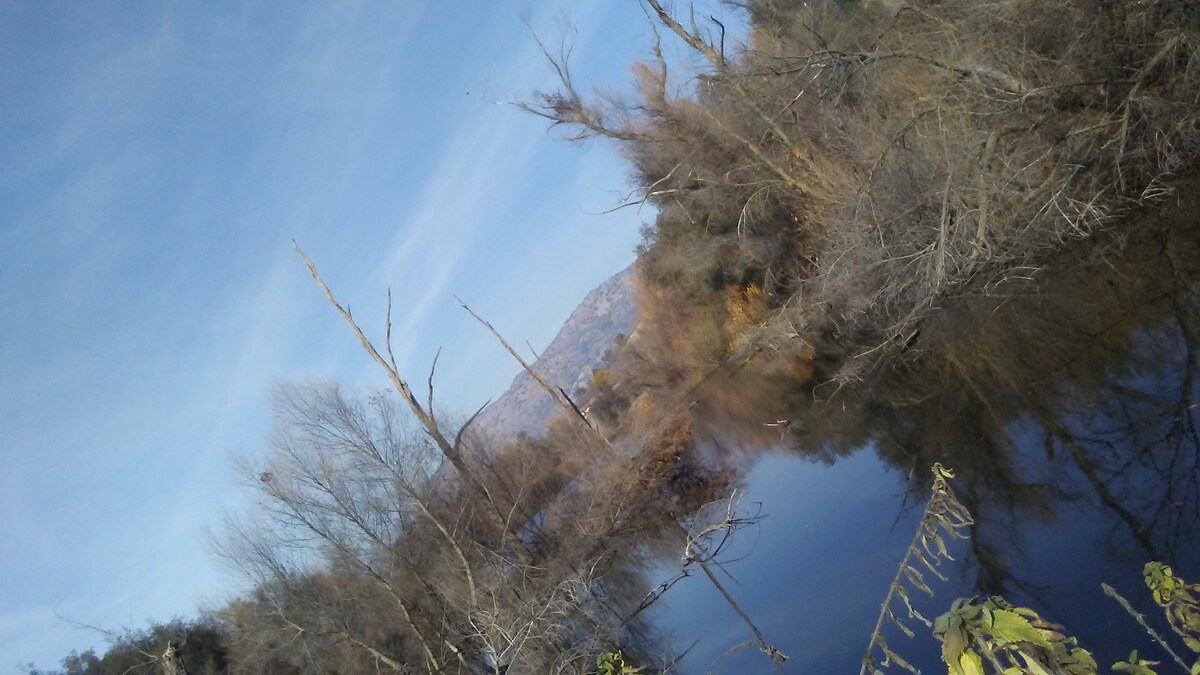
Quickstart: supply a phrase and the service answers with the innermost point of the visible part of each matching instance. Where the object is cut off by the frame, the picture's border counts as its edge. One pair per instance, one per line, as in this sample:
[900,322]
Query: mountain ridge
[607,311]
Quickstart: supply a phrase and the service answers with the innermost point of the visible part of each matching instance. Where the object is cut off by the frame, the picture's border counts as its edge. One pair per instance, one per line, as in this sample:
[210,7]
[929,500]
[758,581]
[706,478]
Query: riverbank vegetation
[854,168]
[856,198]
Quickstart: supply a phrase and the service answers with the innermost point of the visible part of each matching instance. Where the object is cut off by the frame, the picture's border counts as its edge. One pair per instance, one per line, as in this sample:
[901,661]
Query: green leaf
[1132,668]
[941,471]
[941,624]
[954,644]
[1084,659]
[1135,666]
[970,663]
[1012,627]
[1032,666]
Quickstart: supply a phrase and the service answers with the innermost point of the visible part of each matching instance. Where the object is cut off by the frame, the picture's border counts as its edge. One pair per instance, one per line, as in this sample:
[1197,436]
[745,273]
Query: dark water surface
[1067,408]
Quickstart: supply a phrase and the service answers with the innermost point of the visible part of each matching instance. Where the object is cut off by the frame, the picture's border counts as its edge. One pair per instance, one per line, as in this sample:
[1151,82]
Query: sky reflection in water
[1070,420]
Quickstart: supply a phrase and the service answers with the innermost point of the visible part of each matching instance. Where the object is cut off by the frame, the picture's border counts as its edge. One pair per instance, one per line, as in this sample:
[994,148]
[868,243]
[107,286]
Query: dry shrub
[678,338]
[745,307]
[866,164]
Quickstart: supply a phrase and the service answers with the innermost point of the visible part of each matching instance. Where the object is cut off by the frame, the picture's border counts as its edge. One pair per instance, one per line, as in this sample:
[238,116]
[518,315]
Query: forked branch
[425,417]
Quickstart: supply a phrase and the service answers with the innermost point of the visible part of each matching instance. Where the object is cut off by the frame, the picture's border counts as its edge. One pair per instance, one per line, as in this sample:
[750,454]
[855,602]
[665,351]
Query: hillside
[567,362]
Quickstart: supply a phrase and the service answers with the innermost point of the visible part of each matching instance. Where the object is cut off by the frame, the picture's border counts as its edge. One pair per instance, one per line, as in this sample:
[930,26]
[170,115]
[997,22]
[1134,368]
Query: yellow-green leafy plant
[1016,641]
[613,663]
[1013,640]
[944,515]
[1135,665]
[991,635]
[1180,602]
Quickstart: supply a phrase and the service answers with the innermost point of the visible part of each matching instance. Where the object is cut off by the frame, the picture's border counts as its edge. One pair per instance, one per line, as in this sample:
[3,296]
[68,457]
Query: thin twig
[1112,593]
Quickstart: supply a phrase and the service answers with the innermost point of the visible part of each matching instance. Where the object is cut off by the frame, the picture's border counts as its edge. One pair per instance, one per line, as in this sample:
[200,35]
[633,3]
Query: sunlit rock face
[607,312]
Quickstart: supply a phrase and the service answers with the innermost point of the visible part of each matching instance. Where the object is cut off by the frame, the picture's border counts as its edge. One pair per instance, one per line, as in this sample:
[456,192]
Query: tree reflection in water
[1063,402]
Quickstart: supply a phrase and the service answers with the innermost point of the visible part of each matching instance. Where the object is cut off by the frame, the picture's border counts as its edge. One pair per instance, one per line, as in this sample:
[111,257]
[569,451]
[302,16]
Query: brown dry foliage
[868,163]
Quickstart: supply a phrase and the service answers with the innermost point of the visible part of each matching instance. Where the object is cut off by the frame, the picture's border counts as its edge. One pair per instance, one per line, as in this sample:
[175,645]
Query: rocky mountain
[606,312]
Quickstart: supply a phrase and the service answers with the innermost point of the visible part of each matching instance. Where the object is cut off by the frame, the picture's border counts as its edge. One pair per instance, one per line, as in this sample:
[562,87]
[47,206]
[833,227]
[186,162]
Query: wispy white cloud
[470,185]
[153,400]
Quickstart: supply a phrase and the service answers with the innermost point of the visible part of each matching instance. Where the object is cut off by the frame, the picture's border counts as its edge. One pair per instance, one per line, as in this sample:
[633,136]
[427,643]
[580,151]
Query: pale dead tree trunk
[690,37]
[427,418]
[721,65]
[384,658]
[451,450]
[555,394]
[170,663]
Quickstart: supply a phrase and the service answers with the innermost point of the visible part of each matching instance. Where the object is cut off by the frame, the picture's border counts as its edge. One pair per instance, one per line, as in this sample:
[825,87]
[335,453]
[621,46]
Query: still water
[1067,407]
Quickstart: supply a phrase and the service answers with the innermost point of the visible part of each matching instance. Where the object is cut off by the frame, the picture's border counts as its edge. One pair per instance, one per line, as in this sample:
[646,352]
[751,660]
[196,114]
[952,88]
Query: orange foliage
[745,308]
[677,338]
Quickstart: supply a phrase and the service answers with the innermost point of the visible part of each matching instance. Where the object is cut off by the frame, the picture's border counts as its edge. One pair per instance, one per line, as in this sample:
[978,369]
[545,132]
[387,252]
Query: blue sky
[159,159]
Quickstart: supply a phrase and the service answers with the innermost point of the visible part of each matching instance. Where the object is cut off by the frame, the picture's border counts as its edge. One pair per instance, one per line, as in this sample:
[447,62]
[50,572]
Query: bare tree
[342,490]
[356,552]
[868,163]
